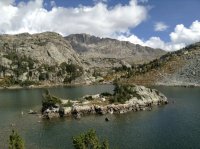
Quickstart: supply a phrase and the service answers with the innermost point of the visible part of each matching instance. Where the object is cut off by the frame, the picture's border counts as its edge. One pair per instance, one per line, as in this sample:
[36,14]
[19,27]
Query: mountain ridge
[90,46]
[179,68]
[50,58]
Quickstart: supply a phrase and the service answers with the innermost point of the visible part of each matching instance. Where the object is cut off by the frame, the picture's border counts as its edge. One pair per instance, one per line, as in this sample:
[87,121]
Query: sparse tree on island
[49,100]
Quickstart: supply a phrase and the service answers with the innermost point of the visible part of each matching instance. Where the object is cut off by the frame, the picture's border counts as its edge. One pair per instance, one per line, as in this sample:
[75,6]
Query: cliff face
[177,68]
[47,48]
[97,49]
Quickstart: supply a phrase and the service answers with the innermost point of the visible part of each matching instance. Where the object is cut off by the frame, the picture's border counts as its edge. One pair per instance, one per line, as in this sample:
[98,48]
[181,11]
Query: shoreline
[179,85]
[18,87]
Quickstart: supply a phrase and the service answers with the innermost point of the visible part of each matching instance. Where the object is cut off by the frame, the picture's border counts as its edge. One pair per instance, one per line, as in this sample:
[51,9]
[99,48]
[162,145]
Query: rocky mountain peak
[83,38]
[95,47]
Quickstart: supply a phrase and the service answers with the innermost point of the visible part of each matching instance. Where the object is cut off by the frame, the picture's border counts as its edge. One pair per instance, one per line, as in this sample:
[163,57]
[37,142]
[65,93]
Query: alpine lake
[173,126]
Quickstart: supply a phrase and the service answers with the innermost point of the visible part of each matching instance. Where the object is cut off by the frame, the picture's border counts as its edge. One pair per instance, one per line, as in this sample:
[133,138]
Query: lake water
[174,126]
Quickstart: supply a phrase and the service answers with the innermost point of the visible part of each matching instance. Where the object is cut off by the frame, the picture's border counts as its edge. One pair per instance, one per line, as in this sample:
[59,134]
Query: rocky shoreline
[71,85]
[52,85]
[135,98]
[189,85]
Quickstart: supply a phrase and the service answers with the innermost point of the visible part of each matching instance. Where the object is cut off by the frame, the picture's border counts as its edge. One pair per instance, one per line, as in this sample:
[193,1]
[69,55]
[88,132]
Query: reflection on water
[172,126]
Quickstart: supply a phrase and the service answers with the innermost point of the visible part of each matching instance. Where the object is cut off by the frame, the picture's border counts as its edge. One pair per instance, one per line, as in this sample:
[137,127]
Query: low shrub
[68,104]
[106,94]
[89,98]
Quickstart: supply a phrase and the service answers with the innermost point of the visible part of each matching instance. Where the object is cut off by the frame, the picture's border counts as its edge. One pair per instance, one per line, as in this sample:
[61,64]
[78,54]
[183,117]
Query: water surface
[172,126]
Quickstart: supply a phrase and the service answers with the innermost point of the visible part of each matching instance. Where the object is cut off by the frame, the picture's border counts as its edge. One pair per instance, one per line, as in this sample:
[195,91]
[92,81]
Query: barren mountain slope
[48,48]
[177,68]
[94,48]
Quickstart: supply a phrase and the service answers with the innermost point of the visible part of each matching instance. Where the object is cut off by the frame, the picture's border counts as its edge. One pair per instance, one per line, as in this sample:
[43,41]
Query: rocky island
[124,99]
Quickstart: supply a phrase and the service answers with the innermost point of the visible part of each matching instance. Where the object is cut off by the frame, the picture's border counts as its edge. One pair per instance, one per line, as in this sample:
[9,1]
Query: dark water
[174,126]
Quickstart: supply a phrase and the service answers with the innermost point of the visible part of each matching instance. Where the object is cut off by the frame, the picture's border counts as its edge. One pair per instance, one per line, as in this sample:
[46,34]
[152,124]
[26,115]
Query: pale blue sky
[171,12]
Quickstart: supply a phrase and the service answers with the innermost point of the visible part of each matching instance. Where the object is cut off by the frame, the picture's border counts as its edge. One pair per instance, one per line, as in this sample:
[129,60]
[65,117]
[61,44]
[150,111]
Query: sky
[165,24]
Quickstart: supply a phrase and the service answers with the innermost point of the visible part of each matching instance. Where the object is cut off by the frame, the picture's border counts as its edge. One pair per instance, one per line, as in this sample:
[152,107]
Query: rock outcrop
[47,48]
[136,98]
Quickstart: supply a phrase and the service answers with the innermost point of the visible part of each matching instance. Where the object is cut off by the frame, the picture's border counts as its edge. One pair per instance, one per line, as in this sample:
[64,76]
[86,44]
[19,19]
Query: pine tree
[15,141]
[89,140]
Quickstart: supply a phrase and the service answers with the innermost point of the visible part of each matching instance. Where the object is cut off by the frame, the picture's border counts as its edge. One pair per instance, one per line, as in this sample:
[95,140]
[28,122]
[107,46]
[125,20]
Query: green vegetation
[43,76]
[69,79]
[49,101]
[120,95]
[122,68]
[106,94]
[22,62]
[15,141]
[7,81]
[68,104]
[73,71]
[47,68]
[156,64]
[89,140]
[123,93]
[89,98]
[45,71]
